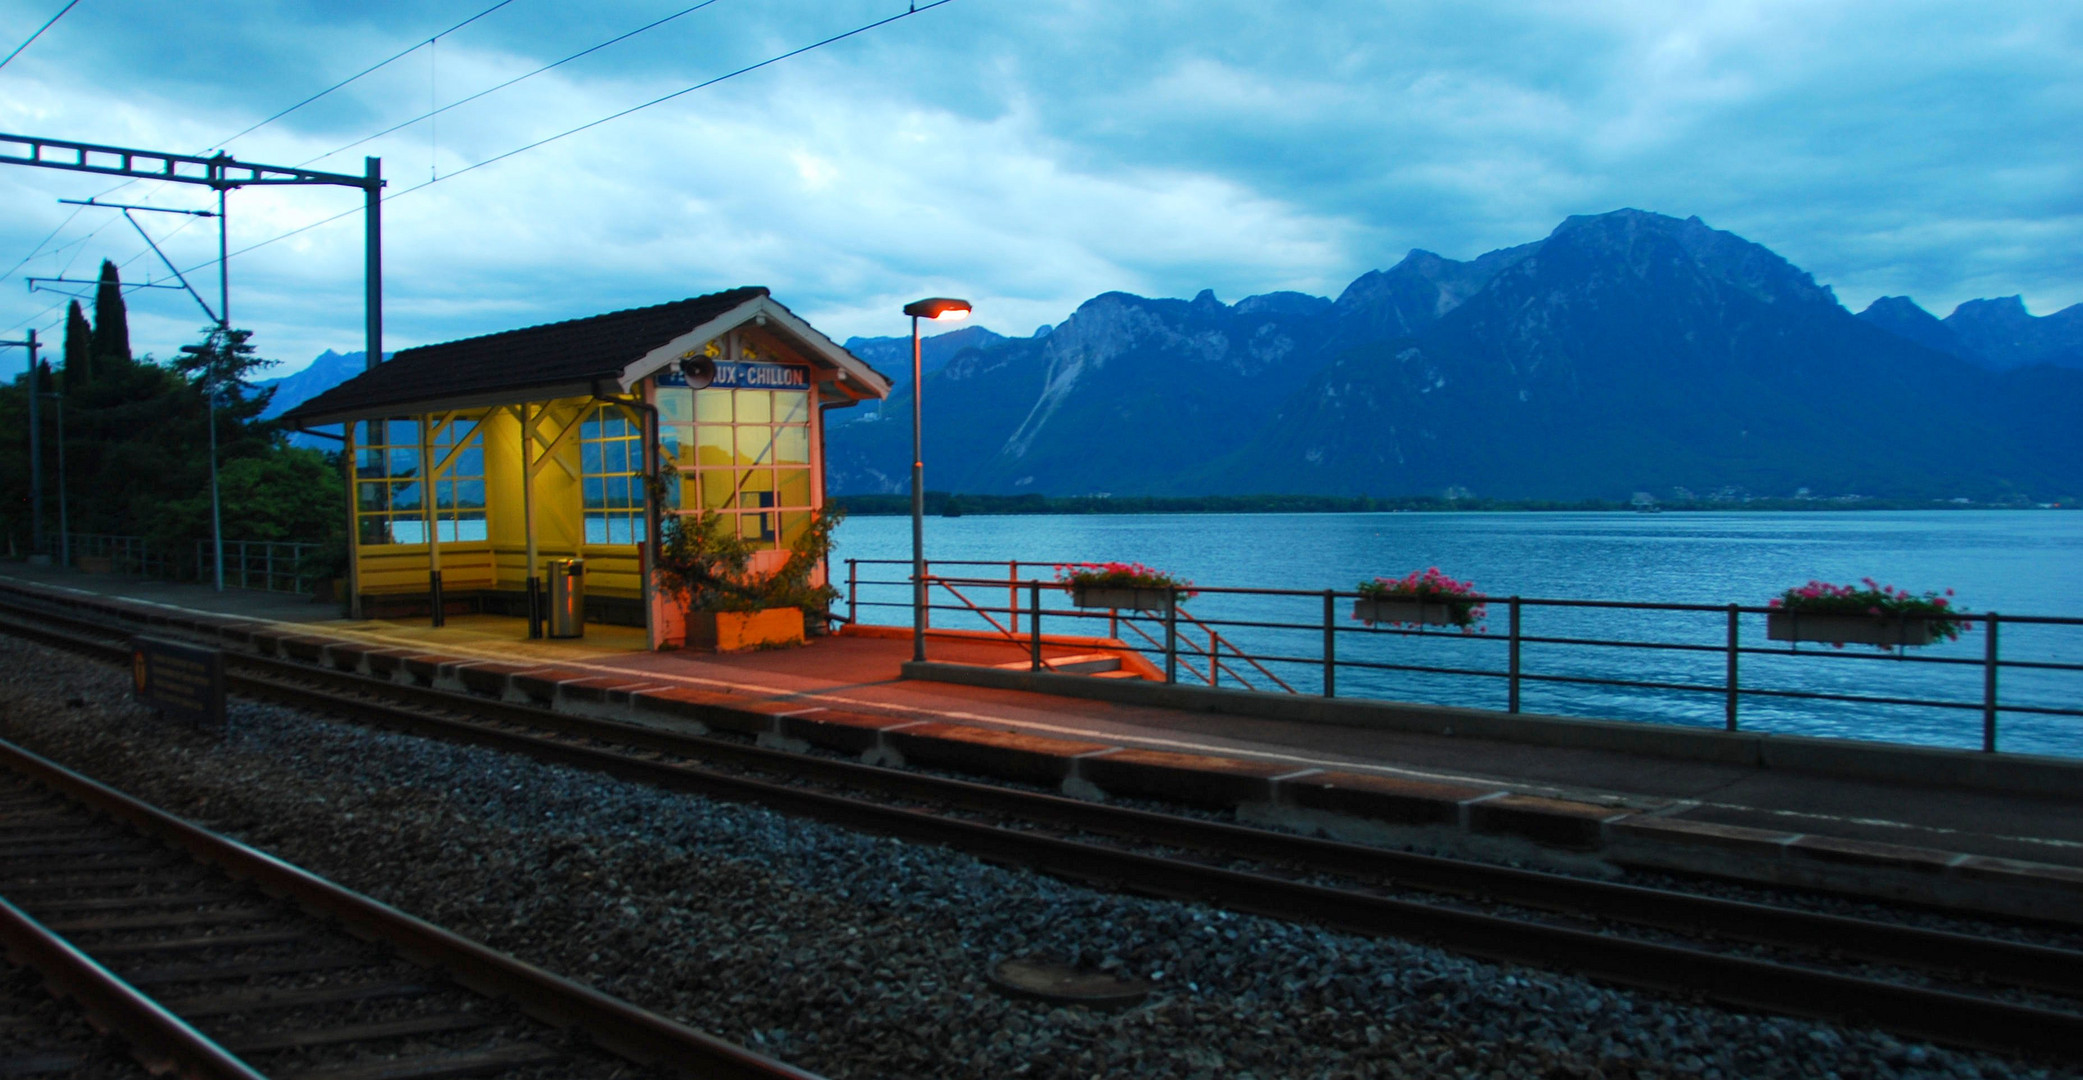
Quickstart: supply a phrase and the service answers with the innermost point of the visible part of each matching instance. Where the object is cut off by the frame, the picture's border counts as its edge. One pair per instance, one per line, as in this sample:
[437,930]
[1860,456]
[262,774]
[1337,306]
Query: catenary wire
[432,113]
[365,71]
[39,32]
[865,27]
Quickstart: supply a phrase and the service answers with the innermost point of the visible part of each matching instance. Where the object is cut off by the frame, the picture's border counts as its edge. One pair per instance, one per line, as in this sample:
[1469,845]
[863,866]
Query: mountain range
[1625,352]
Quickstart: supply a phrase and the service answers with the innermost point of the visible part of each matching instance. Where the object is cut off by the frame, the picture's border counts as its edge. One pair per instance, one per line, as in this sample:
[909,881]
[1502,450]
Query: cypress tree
[111,322]
[79,350]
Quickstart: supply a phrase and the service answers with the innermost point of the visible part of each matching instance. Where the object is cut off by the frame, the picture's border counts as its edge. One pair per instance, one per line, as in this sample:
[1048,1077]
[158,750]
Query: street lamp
[942,309]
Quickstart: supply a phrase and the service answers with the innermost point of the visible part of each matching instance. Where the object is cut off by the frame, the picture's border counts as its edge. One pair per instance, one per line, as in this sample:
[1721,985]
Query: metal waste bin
[567,607]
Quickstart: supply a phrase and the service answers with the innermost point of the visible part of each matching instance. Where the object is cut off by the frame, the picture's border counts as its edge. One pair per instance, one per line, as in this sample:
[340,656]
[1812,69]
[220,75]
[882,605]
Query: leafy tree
[79,349]
[111,320]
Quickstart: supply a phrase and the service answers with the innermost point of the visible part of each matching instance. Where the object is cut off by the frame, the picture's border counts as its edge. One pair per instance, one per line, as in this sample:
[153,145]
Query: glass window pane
[717,489]
[674,483]
[470,494]
[757,527]
[590,427]
[614,457]
[368,463]
[371,496]
[589,458]
[470,462]
[596,529]
[471,530]
[405,497]
[675,404]
[792,445]
[639,529]
[755,445]
[408,530]
[791,407]
[373,531]
[755,406]
[756,480]
[636,453]
[795,487]
[462,431]
[792,528]
[712,407]
[592,492]
[675,439]
[404,461]
[713,446]
[401,433]
[444,495]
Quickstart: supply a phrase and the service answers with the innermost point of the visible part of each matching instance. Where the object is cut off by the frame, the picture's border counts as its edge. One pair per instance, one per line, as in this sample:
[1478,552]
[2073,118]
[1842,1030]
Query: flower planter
[1159,600]
[1881,630]
[735,631]
[1404,611]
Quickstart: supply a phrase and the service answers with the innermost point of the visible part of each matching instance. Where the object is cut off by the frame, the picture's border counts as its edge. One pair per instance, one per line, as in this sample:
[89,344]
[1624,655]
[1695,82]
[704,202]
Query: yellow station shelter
[475,462]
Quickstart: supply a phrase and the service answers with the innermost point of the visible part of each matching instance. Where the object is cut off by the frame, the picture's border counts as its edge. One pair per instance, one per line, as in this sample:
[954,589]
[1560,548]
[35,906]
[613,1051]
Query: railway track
[211,959]
[1961,989]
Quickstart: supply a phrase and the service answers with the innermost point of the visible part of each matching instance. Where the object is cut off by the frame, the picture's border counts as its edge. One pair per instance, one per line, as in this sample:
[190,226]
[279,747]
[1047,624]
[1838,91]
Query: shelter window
[387,486]
[458,450]
[611,455]
[746,455]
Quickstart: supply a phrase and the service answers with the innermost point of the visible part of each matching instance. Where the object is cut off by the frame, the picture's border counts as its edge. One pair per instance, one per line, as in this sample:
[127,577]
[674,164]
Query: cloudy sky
[1029,154]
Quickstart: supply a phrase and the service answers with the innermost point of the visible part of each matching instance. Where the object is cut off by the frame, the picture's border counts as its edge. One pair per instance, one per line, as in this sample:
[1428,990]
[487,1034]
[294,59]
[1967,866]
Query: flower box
[736,631]
[1404,611]
[1882,630]
[1103,596]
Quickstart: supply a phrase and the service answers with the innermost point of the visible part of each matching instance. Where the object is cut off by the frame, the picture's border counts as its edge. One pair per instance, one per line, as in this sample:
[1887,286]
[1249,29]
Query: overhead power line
[916,9]
[432,113]
[39,32]
[416,46]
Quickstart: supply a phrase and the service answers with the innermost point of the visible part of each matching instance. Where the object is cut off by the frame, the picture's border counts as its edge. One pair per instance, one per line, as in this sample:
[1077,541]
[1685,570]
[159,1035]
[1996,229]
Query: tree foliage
[137,445]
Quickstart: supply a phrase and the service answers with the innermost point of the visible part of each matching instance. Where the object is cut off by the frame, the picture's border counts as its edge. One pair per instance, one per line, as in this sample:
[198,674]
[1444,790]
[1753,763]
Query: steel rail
[1920,1012]
[161,1041]
[611,1023]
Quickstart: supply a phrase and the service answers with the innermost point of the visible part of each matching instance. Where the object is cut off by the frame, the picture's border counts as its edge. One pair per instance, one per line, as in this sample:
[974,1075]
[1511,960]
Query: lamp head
[938,307]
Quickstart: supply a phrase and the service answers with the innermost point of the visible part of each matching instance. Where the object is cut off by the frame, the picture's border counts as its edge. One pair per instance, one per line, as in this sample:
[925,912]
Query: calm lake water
[2013,562]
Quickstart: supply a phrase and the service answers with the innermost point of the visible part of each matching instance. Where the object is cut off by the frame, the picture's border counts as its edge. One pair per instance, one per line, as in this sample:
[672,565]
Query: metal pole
[1513,650]
[853,590]
[1330,644]
[35,455]
[1989,686]
[1729,709]
[918,504]
[1034,626]
[372,262]
[1171,640]
[224,328]
[64,521]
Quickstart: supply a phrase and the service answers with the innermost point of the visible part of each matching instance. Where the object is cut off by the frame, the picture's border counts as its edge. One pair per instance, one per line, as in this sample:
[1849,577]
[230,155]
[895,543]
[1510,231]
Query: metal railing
[1699,664]
[133,555]
[270,565]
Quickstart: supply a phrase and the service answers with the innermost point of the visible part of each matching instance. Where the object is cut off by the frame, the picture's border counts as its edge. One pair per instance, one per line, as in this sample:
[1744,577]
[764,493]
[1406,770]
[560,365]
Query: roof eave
[856,378]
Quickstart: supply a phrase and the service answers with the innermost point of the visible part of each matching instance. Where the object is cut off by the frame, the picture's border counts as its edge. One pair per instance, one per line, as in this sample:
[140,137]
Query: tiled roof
[562,354]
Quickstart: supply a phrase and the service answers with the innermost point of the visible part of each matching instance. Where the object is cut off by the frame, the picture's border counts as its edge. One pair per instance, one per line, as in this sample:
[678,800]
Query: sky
[1023,154]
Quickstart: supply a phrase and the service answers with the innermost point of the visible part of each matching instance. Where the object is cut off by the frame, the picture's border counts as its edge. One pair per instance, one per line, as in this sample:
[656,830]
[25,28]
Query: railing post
[1729,708]
[926,597]
[1034,625]
[1012,574]
[1513,650]
[1330,643]
[1171,641]
[1989,664]
[853,590]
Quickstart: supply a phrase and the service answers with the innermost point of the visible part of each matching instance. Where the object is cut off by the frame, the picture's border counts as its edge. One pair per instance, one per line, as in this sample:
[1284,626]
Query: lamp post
[939,308]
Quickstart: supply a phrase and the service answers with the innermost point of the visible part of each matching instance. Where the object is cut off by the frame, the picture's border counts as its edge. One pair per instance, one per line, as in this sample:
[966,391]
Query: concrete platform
[1943,829]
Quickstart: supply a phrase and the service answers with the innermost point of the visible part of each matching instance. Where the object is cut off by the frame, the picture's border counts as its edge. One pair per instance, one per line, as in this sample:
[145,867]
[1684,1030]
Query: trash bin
[567,614]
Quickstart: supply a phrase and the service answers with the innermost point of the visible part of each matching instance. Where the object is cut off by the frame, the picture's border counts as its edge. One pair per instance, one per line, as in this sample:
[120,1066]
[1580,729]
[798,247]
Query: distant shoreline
[944,504]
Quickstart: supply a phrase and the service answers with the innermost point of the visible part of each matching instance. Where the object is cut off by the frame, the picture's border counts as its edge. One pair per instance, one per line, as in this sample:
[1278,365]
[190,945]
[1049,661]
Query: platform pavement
[1867,835]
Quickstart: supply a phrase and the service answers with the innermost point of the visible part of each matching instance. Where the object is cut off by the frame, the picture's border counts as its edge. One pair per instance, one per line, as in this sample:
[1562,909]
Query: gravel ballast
[856,956]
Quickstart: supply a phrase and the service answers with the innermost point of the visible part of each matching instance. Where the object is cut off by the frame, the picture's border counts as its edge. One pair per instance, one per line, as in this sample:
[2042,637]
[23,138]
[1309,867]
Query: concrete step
[1081,664]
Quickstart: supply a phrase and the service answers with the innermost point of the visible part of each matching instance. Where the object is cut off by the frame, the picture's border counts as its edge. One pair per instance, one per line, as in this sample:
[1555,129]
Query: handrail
[1557,659]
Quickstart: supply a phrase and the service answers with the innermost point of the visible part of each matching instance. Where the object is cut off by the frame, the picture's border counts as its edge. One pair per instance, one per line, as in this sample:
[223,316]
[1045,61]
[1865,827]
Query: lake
[2012,562]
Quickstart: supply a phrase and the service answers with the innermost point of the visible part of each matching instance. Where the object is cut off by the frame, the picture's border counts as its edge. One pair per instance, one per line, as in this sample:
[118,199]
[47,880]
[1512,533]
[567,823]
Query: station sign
[745,375]
[182,681]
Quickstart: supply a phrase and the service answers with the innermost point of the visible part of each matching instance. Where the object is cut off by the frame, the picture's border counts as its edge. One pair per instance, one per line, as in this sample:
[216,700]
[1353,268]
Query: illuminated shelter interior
[474,462]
